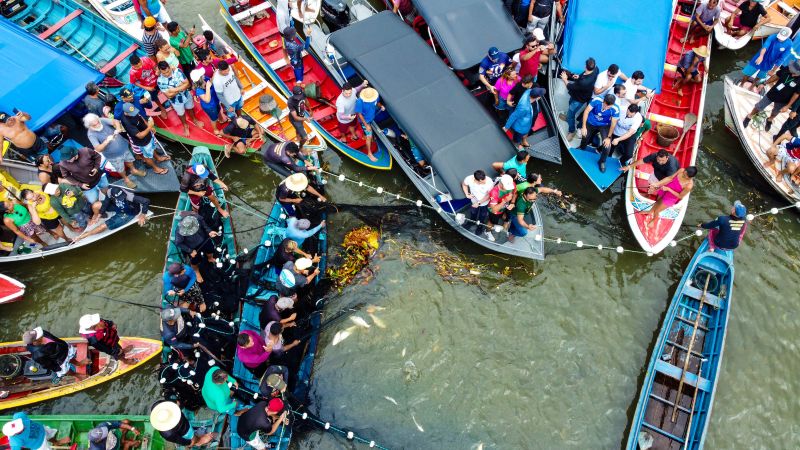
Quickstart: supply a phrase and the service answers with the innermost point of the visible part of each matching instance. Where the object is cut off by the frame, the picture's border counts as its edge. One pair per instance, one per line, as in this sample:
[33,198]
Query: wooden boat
[16,176]
[76,427]
[123,14]
[260,289]
[675,401]
[308,12]
[666,109]
[738,103]
[265,44]
[28,383]
[11,290]
[253,87]
[200,155]
[780,13]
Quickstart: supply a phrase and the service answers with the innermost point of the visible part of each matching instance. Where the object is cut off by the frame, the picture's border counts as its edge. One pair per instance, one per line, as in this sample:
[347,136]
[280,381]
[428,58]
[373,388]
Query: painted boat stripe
[119,58]
[60,24]
[666,120]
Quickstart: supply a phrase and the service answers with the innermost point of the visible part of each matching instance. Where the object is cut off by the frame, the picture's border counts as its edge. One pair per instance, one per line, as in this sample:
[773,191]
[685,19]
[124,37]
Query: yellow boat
[27,382]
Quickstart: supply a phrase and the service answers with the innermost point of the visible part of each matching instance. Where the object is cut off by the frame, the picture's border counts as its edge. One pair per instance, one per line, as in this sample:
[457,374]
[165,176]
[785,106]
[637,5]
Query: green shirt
[184,53]
[522,206]
[524,185]
[218,396]
[66,206]
[19,215]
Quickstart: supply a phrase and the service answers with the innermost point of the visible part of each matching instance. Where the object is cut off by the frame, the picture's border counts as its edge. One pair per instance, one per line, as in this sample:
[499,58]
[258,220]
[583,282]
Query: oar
[688,122]
[691,414]
[689,351]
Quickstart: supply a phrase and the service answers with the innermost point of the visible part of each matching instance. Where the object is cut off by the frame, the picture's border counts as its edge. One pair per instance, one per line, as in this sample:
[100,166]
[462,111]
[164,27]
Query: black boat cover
[466,29]
[424,97]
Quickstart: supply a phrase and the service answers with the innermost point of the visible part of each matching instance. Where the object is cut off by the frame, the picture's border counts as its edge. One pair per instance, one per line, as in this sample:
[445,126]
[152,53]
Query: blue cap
[538,92]
[739,209]
[200,170]
[493,52]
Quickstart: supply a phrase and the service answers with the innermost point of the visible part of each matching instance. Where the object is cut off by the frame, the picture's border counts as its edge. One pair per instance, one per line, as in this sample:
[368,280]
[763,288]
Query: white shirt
[282,16]
[625,124]
[631,90]
[479,190]
[603,80]
[227,87]
[346,106]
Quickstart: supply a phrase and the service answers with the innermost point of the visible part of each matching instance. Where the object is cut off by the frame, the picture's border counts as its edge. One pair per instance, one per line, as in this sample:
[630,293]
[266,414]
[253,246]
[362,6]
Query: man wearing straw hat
[292,191]
[167,418]
[367,107]
[688,70]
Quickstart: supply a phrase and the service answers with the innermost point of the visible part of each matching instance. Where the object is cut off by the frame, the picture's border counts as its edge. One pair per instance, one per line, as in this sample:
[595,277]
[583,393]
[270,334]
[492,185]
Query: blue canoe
[658,422]
[261,288]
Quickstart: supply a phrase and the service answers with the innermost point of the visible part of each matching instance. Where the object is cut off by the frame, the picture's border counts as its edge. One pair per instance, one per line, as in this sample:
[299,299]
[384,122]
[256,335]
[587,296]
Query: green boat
[76,427]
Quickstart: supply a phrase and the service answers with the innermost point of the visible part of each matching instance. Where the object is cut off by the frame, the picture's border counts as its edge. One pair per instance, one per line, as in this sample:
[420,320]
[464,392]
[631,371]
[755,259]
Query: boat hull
[76,427]
[779,17]
[11,290]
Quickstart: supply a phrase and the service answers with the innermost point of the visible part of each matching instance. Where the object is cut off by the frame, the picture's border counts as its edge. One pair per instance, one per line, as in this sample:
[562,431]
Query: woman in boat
[47,170]
[503,87]
[274,340]
[51,352]
[167,53]
[23,221]
[670,191]
[47,214]
[207,98]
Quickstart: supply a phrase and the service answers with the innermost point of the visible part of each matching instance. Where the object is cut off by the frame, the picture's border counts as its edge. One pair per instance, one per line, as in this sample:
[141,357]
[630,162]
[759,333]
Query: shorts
[162,16]
[344,128]
[117,165]
[764,102]
[497,218]
[298,72]
[299,128]
[237,105]
[51,224]
[180,107]
[30,229]
[737,23]
[92,195]
[38,148]
[682,72]
[118,220]
[783,156]
[754,72]
[50,433]
[81,218]
[212,113]
[517,137]
[146,151]
[366,132]
[196,199]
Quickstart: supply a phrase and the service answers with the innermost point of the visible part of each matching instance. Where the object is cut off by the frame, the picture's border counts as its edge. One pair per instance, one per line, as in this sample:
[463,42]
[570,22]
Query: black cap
[3,117]
[125,93]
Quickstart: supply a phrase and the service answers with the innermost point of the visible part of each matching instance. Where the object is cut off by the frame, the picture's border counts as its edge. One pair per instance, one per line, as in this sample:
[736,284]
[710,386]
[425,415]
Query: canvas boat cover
[429,103]
[466,29]
[630,33]
[37,78]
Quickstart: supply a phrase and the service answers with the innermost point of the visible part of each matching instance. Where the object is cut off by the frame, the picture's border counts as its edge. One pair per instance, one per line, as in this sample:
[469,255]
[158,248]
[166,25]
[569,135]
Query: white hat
[87,321]
[296,182]
[784,34]
[197,74]
[302,263]
[506,182]
[50,189]
[284,303]
[538,34]
[14,427]
[165,416]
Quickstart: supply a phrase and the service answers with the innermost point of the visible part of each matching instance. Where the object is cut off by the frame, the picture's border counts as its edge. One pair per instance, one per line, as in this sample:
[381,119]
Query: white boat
[780,12]
[308,12]
[755,140]
[122,14]
[26,176]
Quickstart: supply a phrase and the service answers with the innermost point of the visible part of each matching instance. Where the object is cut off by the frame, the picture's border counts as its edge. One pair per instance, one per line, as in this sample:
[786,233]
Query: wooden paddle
[688,122]
[689,351]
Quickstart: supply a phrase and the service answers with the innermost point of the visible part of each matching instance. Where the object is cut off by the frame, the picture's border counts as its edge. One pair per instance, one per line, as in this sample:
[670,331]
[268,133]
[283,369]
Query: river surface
[540,355]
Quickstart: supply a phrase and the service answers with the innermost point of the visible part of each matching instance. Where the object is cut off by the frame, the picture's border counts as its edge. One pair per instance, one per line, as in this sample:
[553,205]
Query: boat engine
[335,14]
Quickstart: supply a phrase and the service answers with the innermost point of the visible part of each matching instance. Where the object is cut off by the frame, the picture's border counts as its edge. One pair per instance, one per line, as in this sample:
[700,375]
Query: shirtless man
[14,130]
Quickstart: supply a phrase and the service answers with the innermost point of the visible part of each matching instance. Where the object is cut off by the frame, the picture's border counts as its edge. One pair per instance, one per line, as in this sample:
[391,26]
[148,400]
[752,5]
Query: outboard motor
[335,14]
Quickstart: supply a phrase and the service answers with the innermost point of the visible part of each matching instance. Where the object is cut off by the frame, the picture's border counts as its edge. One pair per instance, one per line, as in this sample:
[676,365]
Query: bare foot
[227,150]
[139,173]
[199,123]
[163,114]
[680,92]
[186,130]
[160,171]
[371,157]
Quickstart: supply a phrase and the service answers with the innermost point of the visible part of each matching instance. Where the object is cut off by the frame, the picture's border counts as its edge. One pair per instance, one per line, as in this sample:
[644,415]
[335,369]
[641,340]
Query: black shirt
[232,129]
[662,171]
[134,125]
[517,91]
[255,419]
[192,182]
[298,105]
[543,8]
[176,434]
[786,86]
[749,17]
[284,192]
[582,89]
[276,154]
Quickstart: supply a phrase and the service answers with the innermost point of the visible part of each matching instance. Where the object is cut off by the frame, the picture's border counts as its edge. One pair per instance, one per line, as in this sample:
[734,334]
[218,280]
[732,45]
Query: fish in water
[390,399]
[419,427]
[372,308]
[378,322]
[342,335]
[358,320]
[403,353]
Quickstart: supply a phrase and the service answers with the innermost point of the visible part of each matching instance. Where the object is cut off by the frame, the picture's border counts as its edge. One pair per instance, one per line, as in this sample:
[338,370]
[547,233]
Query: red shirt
[530,66]
[495,198]
[146,75]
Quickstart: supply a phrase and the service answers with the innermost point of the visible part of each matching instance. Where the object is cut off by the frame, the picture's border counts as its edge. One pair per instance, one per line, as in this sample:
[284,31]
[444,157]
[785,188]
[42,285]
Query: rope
[327,426]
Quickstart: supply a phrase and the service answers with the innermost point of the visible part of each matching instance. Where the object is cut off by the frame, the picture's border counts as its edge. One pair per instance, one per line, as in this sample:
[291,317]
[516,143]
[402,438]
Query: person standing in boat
[175,86]
[503,87]
[263,417]
[294,52]
[182,42]
[136,98]
[663,162]
[93,102]
[772,53]
[300,229]
[728,231]
[166,52]
[150,37]
[518,226]
[522,118]
[492,67]
[82,168]
[580,88]
[175,331]
[218,391]
[782,96]
[52,353]
[623,137]
[167,418]
[346,110]
[197,182]
[106,140]
[669,192]
[252,351]
[141,137]
[154,9]
[635,93]
[476,188]
[704,19]
[295,276]
[14,129]
[103,336]
[208,62]
[501,201]
[745,18]
[367,107]
[283,157]
[688,69]
[144,75]
[24,433]
[194,239]
[229,89]
[208,99]
[298,113]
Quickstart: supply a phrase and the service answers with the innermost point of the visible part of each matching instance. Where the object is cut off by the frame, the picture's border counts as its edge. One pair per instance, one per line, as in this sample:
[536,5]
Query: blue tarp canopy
[37,78]
[630,33]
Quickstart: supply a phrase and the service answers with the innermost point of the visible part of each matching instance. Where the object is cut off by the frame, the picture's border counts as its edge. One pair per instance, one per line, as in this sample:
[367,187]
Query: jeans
[572,111]
[516,229]
[591,131]
[479,214]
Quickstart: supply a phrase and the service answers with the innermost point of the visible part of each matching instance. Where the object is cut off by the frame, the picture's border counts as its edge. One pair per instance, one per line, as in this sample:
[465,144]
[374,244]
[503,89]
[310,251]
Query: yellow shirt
[44,209]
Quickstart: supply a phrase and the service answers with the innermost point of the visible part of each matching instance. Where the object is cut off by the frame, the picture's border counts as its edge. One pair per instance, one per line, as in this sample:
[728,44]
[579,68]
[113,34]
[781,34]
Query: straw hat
[296,182]
[165,416]
[701,51]
[368,95]
[188,226]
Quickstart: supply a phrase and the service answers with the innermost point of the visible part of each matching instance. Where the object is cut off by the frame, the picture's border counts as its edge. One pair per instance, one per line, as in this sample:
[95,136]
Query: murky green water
[549,360]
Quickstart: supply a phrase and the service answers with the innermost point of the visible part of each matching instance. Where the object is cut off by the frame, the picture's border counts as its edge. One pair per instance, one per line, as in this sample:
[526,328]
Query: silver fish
[390,399]
[378,322]
[419,427]
[358,320]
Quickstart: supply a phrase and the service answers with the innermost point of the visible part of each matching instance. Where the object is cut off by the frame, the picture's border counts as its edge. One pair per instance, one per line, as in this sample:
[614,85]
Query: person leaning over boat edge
[101,437]
[764,63]
[102,335]
[263,417]
[728,231]
[52,353]
[292,192]
[782,96]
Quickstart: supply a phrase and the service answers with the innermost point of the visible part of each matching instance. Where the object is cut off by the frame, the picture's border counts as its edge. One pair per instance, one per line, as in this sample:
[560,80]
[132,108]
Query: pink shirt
[254,355]
[209,69]
[504,88]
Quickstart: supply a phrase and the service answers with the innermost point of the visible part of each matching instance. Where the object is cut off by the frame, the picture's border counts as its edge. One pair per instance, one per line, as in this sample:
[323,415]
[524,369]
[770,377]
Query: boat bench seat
[323,112]
[695,293]
[65,429]
[258,39]
[676,372]
[252,11]
[677,123]
[787,8]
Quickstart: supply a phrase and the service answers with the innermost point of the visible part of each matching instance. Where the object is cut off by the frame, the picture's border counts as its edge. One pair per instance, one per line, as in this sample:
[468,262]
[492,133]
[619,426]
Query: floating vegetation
[359,245]
[450,267]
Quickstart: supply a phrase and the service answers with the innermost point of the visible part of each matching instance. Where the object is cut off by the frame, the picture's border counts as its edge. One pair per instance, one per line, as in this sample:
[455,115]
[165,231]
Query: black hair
[276,328]
[479,175]
[617,89]
[347,86]
[521,155]
[40,159]
[3,208]
[529,190]
[202,54]
[527,79]
[662,153]
[633,108]
[609,99]
[219,377]
[291,147]
[209,35]
[691,171]
[134,59]
[638,75]
[223,65]
[160,42]
[613,69]
[529,39]
[532,178]
[172,26]
[163,65]
[591,64]
[512,173]
[242,339]
[24,193]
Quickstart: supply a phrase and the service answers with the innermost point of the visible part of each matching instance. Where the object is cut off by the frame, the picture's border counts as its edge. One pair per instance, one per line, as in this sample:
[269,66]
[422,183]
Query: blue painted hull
[274,233]
[587,160]
[665,379]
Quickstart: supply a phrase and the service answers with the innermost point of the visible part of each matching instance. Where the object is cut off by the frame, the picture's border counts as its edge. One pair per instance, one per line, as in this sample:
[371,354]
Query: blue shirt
[775,52]
[522,167]
[32,435]
[493,69]
[295,51]
[137,96]
[599,117]
[154,6]
[296,234]
[191,275]
[213,103]
[368,110]
[731,230]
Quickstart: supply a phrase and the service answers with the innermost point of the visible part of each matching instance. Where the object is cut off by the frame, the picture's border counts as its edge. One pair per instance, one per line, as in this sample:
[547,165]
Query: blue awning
[630,33]
[37,78]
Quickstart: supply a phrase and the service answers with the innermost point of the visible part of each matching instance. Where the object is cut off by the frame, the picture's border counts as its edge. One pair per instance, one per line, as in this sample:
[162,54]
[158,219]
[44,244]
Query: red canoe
[11,290]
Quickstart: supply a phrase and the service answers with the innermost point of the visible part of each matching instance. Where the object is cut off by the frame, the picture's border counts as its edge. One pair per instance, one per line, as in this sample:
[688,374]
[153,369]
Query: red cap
[275,405]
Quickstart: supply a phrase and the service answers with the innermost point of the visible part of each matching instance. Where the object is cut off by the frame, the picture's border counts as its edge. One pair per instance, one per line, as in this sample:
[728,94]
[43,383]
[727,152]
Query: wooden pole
[689,352]
[691,414]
